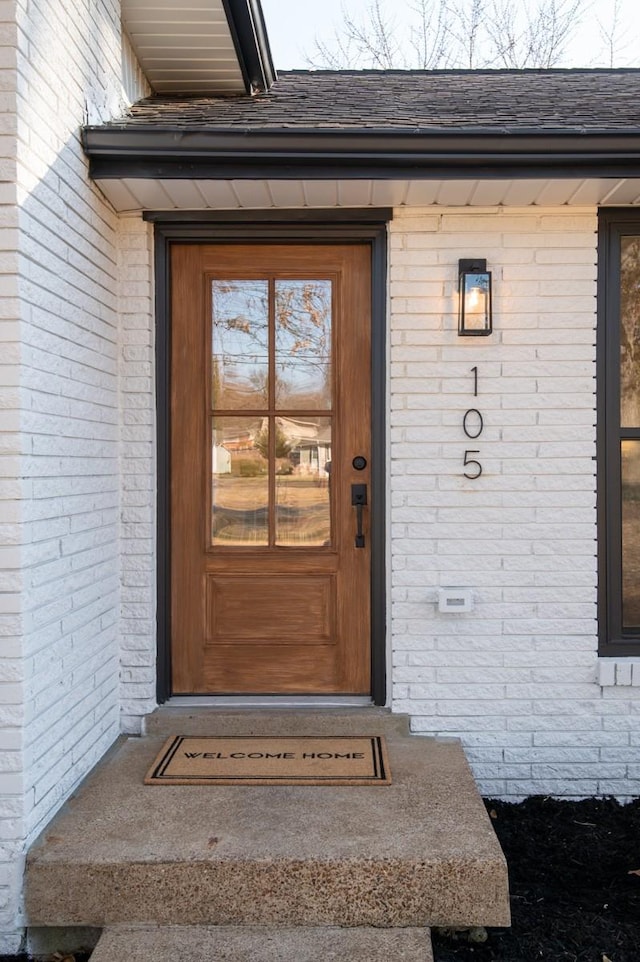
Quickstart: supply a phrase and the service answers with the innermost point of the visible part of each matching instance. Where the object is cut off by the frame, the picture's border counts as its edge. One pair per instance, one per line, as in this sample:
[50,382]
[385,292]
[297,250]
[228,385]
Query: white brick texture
[517,678]
[138,474]
[12,487]
[62,365]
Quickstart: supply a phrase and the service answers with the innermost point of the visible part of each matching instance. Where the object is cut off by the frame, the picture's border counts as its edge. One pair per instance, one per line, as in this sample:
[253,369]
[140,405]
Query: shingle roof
[499,101]
[323,124]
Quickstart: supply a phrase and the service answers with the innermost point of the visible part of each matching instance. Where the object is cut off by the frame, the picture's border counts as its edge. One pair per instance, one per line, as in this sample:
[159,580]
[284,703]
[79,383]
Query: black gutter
[117,152]
[250,39]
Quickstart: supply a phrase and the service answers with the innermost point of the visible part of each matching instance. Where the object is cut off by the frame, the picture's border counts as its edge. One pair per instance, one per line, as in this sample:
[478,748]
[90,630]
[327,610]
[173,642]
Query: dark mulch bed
[575,894]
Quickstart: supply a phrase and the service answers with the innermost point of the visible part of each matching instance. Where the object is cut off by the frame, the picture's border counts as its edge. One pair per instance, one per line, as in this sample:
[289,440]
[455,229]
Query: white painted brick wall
[138,473]
[12,488]
[68,71]
[516,678]
[61,516]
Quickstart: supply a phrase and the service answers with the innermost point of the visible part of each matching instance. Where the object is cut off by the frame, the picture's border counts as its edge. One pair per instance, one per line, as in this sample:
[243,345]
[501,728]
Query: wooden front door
[270,432]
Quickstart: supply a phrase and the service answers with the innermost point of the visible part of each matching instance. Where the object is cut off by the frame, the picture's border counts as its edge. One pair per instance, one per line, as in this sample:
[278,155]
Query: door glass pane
[631,534]
[303,481]
[630,332]
[239,343]
[239,481]
[303,344]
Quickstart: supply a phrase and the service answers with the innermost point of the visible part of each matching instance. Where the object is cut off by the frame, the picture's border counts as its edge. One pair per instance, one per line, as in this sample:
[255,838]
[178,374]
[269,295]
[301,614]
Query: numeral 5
[471,461]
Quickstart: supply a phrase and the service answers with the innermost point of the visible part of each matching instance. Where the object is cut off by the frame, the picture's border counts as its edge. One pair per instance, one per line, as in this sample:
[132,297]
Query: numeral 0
[479,426]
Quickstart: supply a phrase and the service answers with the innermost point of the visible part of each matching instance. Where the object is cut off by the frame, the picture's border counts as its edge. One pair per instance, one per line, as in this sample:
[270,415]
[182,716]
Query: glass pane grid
[303,344]
[239,344]
[271,363]
[240,482]
[303,481]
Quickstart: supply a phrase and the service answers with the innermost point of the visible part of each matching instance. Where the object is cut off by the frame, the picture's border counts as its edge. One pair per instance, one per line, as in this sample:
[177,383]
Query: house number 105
[473,426]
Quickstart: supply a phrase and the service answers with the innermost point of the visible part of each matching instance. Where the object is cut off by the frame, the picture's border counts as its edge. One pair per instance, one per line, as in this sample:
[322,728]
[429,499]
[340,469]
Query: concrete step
[201,943]
[331,721]
[417,853]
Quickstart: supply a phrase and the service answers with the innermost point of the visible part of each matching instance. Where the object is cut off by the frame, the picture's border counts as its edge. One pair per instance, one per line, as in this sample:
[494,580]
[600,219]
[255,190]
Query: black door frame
[315,227]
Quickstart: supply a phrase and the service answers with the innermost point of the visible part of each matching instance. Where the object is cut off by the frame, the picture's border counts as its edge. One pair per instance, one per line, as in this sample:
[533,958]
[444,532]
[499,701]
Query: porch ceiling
[130,194]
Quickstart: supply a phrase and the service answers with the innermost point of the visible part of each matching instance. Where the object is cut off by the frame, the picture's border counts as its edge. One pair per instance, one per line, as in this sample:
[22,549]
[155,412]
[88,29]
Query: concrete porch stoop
[271,872]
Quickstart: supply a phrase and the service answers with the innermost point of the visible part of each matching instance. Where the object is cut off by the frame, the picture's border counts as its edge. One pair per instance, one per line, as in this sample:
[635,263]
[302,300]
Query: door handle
[358,500]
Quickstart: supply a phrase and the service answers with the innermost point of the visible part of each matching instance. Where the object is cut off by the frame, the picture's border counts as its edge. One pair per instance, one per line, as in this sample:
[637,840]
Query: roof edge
[249,33]
[117,136]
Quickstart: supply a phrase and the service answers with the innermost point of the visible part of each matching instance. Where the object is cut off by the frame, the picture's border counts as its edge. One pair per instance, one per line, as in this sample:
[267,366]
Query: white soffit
[184,47]
[132,194]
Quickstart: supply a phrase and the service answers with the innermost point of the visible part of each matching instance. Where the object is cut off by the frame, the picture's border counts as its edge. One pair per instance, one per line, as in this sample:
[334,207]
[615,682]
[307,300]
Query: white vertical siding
[134,83]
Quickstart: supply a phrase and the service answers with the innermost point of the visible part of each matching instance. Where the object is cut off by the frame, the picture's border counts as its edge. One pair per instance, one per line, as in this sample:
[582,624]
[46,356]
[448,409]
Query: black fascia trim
[355,216]
[249,34]
[119,153]
[246,226]
[215,170]
[139,170]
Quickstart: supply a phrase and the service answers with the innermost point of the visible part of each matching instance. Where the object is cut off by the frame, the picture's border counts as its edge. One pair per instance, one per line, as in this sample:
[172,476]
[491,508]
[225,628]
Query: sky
[293,24]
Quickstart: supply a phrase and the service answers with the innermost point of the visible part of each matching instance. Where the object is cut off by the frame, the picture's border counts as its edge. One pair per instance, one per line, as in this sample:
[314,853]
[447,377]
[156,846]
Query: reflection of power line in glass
[321,359]
[286,343]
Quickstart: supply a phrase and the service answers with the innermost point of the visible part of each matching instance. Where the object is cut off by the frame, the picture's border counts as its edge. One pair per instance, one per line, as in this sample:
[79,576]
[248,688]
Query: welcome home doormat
[271,760]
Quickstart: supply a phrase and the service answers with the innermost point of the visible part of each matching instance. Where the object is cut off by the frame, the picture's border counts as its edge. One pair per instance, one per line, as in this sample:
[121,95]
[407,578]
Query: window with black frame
[619,432]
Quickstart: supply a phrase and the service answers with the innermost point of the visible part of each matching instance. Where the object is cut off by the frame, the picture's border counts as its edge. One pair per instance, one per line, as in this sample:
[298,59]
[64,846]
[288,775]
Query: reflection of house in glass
[308,441]
[302,445]
[299,505]
[221,460]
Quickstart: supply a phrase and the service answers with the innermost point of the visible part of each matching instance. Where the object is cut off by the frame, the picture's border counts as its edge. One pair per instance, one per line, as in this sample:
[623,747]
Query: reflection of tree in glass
[630,332]
[303,342]
[240,343]
[240,370]
[283,445]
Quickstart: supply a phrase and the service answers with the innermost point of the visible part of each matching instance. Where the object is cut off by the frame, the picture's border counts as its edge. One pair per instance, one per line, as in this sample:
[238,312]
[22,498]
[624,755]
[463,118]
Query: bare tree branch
[429,36]
[375,40]
[369,42]
[465,26]
[539,40]
[453,33]
[612,35]
[551,29]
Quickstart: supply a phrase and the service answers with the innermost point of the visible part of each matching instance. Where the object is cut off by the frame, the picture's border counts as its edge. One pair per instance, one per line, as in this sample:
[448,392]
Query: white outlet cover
[455,600]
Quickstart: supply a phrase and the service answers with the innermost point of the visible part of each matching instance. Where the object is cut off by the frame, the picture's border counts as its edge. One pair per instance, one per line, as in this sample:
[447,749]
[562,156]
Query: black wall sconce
[474,318]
